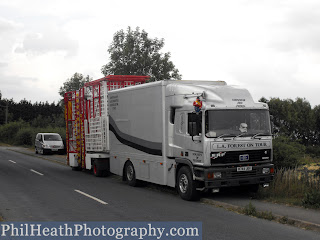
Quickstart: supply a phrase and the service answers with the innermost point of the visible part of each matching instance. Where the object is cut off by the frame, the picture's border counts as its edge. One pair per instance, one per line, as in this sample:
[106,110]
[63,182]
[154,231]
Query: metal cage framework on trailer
[86,112]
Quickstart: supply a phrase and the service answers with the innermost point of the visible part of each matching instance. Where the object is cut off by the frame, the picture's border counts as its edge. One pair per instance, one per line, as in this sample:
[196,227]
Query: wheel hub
[183,183]
[130,173]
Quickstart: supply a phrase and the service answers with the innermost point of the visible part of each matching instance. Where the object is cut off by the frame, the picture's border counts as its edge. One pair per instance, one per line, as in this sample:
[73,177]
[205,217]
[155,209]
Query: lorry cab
[227,143]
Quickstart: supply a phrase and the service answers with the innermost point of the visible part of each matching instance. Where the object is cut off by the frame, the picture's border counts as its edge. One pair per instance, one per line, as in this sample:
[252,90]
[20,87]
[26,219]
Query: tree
[134,53]
[294,119]
[74,83]
[316,112]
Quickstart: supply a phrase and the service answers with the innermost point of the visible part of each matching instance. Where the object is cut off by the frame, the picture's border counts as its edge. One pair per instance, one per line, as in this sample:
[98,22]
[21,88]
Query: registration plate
[54,149]
[244,169]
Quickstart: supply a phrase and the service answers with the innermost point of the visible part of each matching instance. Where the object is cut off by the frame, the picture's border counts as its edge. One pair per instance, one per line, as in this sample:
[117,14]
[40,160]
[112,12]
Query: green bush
[311,199]
[287,153]
[313,151]
[24,137]
[8,131]
[21,133]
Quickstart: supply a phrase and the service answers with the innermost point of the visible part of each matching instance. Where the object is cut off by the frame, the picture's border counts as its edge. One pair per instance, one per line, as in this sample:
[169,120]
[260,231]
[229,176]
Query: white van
[49,143]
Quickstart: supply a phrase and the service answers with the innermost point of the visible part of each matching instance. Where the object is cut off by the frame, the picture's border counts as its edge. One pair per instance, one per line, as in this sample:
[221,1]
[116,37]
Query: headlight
[214,175]
[265,170]
[217,175]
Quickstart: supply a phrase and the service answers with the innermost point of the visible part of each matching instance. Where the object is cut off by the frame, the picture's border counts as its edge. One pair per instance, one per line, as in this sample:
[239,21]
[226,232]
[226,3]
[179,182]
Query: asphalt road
[34,189]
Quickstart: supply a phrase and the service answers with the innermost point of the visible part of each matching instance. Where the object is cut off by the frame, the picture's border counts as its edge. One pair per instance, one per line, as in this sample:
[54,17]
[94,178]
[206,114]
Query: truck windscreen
[242,122]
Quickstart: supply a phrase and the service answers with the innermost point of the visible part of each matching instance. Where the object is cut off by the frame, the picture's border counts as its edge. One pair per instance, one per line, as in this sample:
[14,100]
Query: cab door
[194,136]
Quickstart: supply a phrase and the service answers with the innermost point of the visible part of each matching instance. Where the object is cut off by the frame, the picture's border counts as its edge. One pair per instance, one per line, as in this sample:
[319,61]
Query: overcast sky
[270,47]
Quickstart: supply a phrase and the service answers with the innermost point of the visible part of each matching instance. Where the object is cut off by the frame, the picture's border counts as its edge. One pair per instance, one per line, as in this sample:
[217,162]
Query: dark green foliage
[311,199]
[295,119]
[313,151]
[134,53]
[8,131]
[287,153]
[25,110]
[22,133]
[298,130]
[24,137]
[43,122]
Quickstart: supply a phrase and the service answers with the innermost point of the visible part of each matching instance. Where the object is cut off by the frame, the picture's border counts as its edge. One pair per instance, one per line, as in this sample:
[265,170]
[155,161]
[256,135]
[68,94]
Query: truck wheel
[36,150]
[130,174]
[185,185]
[96,171]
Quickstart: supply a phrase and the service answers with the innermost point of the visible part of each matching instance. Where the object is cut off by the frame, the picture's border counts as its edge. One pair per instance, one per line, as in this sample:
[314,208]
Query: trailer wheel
[96,171]
[185,185]
[130,174]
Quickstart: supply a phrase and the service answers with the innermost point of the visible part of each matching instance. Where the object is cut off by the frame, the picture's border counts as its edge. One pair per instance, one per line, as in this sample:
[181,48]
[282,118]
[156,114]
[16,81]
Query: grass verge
[300,187]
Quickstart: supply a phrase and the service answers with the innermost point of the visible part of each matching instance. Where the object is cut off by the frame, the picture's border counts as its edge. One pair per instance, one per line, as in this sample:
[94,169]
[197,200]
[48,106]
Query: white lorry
[151,132]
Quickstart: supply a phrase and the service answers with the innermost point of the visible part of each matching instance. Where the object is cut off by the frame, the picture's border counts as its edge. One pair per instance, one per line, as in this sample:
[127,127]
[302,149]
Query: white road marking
[11,161]
[89,196]
[36,172]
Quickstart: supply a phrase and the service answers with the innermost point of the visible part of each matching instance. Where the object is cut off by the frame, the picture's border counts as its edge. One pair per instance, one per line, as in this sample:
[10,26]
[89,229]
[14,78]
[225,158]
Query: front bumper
[231,177]
[53,150]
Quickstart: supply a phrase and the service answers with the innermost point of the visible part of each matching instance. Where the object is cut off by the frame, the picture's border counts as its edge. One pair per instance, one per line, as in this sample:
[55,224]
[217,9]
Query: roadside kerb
[277,218]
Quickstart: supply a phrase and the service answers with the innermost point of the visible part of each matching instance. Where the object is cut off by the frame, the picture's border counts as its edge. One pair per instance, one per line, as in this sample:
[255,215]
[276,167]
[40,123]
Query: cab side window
[194,123]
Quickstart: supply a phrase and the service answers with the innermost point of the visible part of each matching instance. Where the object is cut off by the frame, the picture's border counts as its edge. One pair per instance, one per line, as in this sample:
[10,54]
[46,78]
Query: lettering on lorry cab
[240,102]
[197,157]
[219,146]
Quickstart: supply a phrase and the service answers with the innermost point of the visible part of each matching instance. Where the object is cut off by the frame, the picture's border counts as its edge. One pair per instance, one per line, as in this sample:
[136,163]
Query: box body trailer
[152,132]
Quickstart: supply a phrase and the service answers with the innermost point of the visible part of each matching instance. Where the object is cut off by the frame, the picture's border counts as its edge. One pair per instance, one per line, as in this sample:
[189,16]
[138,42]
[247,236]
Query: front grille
[236,156]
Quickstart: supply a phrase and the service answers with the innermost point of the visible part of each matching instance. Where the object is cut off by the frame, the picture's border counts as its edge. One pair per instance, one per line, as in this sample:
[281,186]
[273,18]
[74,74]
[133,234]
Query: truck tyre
[36,150]
[96,171]
[130,174]
[185,185]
